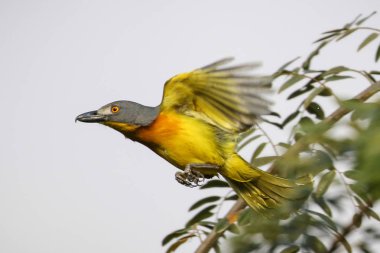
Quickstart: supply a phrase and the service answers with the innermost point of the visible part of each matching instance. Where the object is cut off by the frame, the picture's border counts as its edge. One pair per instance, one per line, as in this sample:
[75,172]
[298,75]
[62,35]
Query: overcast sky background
[67,187]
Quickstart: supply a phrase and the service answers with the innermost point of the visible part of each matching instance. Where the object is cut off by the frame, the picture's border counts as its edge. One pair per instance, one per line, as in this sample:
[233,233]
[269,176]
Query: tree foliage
[345,167]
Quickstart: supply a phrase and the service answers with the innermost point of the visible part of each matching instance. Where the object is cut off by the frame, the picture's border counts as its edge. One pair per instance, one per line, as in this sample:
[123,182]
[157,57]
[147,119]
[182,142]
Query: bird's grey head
[121,111]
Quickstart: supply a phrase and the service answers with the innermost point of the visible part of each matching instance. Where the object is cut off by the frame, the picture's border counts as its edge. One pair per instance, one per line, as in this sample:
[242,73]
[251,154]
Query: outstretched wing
[225,96]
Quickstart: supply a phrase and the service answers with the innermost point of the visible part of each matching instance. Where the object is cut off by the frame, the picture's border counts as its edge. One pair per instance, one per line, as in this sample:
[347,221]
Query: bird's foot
[192,178]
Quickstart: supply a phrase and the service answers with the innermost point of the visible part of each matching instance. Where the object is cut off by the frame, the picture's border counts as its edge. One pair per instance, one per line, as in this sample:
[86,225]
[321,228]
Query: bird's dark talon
[190,178]
[181,178]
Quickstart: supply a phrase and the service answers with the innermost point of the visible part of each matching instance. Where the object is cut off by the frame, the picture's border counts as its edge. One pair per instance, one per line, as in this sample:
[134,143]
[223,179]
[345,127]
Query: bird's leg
[191,177]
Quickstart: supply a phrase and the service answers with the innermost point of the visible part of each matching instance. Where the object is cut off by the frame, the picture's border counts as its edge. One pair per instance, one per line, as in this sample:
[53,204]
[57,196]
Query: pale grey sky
[67,187]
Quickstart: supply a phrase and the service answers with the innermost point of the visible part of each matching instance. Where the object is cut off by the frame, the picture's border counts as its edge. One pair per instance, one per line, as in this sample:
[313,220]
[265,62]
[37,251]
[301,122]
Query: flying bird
[196,127]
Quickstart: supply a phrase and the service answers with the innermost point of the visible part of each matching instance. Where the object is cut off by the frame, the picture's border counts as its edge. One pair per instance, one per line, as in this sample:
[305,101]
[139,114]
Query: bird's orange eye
[115,109]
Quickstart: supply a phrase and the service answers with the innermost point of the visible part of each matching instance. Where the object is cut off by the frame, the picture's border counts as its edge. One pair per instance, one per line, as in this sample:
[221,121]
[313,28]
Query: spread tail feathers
[266,193]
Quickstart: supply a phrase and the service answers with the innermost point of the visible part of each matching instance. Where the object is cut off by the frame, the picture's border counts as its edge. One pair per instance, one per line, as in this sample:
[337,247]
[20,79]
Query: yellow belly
[182,140]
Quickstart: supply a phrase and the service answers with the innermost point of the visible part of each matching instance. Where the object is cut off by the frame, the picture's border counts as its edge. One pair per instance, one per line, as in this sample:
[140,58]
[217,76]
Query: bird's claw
[189,177]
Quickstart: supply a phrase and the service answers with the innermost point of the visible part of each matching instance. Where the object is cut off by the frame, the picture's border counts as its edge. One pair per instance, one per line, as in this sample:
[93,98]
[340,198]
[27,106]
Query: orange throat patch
[163,127]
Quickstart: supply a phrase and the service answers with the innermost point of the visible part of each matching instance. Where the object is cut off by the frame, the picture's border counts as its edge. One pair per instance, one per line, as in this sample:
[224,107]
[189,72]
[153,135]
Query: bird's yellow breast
[181,140]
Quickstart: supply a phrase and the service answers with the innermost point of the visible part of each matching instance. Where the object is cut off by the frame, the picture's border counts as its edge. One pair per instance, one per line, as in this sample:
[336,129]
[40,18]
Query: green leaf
[368,40]
[306,64]
[306,124]
[348,25]
[178,243]
[258,151]
[345,243]
[202,215]
[201,202]
[325,37]
[214,183]
[248,141]
[345,34]
[369,212]
[316,109]
[284,145]
[222,225]
[322,204]
[287,64]
[369,77]
[329,223]
[335,31]
[290,118]
[207,224]
[320,160]
[377,56]
[234,229]
[357,220]
[272,123]
[325,92]
[173,235]
[361,21]
[245,217]
[275,114]
[315,244]
[337,78]
[232,197]
[245,134]
[335,70]
[291,249]
[301,91]
[352,174]
[324,183]
[311,96]
[374,72]
[361,191]
[293,80]
[263,160]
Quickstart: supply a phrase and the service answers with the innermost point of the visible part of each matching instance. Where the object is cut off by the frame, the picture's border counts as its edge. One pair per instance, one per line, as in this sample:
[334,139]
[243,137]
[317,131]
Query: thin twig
[213,237]
[369,28]
[346,231]
[347,188]
[268,138]
[221,204]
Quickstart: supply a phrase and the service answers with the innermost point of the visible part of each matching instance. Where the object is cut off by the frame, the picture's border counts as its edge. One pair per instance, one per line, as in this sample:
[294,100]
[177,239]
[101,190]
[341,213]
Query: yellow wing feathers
[226,96]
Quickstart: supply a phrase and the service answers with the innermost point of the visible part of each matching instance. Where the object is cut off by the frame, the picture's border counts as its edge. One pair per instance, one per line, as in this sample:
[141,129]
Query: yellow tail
[266,193]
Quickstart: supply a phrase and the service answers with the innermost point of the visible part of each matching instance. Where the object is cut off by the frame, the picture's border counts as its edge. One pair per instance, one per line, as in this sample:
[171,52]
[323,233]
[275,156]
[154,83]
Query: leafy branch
[313,149]
[209,242]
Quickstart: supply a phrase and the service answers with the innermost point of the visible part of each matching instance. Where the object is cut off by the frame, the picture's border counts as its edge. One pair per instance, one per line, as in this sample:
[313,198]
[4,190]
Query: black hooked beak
[91,117]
